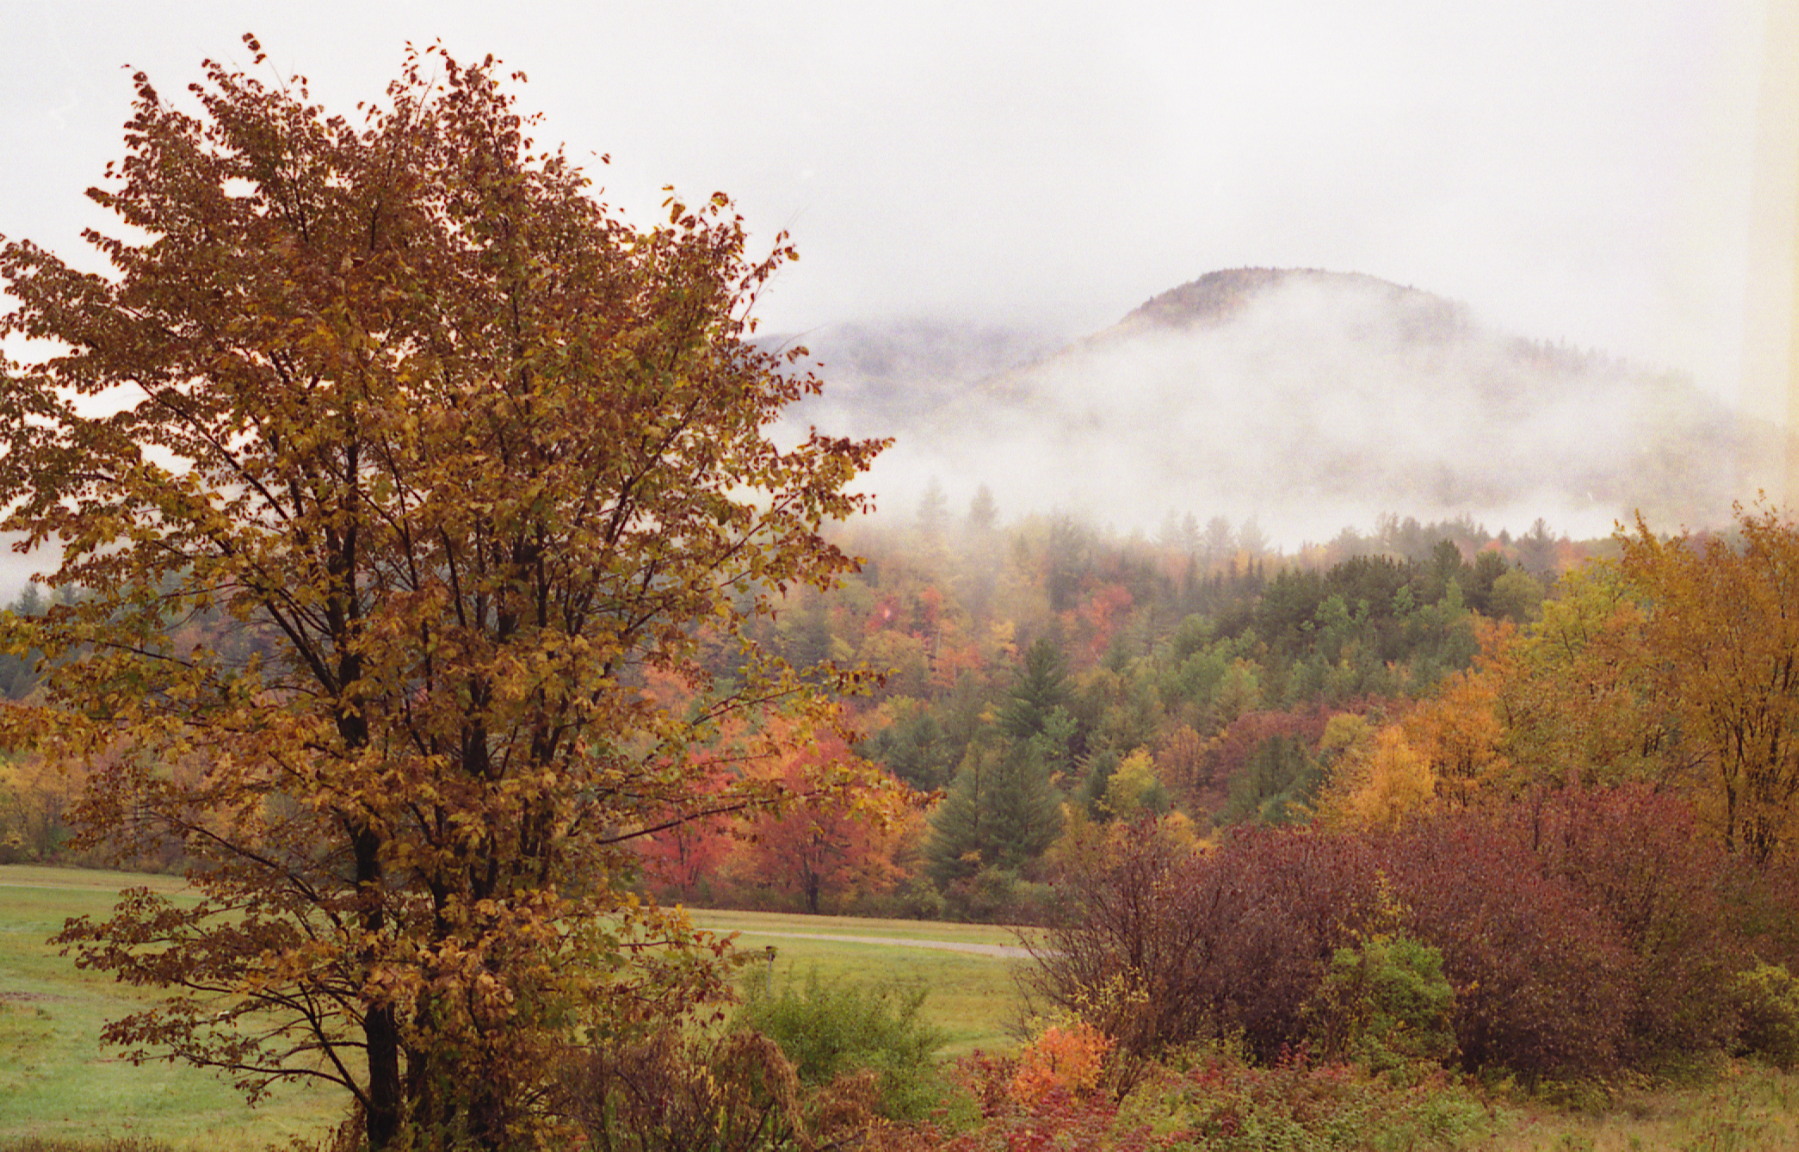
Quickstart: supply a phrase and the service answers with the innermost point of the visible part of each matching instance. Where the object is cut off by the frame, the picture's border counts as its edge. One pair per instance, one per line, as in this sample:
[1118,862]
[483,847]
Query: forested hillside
[1044,676]
[1044,673]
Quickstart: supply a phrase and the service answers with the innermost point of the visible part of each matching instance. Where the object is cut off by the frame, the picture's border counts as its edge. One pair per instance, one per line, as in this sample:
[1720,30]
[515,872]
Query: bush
[1160,946]
[1638,858]
[1125,948]
[1577,934]
[1542,981]
[829,1031]
[734,1092]
[1281,904]
[1069,1061]
[1767,1002]
[1761,908]
[914,898]
[1224,1105]
[1216,1102]
[1015,1117]
[997,896]
[1387,1006]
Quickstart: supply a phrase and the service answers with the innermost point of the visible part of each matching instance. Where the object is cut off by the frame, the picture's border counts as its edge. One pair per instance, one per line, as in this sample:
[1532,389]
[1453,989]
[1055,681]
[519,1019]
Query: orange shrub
[1066,1061]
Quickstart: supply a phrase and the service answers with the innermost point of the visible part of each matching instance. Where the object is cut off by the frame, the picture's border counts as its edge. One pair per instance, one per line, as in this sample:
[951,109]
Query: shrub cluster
[1160,946]
[833,1030]
[1215,1102]
[805,1065]
[1570,934]
[1386,1006]
[1767,1001]
[1540,978]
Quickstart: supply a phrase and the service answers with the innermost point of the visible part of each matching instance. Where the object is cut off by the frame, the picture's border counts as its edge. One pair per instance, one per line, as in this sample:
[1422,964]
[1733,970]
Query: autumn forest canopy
[435,584]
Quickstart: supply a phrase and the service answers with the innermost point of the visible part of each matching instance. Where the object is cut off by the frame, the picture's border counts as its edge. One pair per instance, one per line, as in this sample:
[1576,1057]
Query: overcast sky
[1572,169]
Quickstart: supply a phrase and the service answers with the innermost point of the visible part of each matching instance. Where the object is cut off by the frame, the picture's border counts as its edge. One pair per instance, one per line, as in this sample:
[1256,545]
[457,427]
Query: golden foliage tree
[1721,639]
[453,460]
[1377,781]
[1459,735]
[1574,693]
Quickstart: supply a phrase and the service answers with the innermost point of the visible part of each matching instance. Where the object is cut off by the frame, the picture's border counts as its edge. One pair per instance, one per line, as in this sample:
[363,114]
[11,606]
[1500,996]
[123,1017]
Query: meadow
[58,1082]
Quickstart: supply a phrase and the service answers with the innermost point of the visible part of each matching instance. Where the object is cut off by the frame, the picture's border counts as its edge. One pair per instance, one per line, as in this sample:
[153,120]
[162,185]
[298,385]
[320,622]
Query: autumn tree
[813,850]
[1722,644]
[1574,693]
[1378,779]
[469,457]
[35,798]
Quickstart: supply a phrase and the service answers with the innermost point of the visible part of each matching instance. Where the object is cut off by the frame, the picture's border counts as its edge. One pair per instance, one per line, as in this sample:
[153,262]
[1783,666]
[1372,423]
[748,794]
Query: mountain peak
[1220,296]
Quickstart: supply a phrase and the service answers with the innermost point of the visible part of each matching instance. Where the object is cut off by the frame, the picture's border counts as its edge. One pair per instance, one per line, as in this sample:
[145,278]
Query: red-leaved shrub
[1637,856]
[1542,980]
[1161,946]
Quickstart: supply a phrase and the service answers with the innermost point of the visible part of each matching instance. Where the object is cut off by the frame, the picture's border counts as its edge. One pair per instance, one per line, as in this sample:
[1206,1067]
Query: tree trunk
[385,1105]
[380,1026]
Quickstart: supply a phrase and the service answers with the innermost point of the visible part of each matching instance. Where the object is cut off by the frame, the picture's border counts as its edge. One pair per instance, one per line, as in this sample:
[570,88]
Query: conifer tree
[1000,812]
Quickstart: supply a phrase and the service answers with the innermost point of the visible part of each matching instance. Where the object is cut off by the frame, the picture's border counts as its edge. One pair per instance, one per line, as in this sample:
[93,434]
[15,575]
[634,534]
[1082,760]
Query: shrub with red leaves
[1543,981]
[1638,856]
[1161,946]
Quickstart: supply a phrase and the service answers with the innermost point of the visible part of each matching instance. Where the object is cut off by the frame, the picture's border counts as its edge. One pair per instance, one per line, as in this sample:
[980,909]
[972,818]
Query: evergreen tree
[933,509]
[1039,688]
[983,513]
[1000,812]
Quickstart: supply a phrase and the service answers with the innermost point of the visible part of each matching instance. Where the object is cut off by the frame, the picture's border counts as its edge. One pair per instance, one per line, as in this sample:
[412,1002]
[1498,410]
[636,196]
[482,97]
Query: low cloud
[1308,401]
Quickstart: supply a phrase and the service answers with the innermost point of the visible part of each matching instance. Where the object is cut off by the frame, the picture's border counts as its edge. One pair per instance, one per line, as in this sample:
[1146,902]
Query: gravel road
[1002,951]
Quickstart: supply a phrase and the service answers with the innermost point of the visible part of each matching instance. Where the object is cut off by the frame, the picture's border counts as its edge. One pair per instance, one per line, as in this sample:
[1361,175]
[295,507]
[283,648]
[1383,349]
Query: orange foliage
[1725,645]
[832,842]
[1459,733]
[1062,1061]
[1100,617]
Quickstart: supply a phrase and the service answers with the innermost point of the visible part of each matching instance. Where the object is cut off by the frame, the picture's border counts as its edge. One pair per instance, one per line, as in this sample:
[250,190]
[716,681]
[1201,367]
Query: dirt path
[1000,951]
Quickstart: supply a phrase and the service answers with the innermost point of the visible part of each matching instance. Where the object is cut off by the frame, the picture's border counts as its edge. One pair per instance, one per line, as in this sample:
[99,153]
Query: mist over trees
[1302,399]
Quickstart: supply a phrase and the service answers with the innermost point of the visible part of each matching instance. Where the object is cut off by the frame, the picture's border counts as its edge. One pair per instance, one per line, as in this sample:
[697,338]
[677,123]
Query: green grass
[1747,1107]
[972,998]
[57,1082]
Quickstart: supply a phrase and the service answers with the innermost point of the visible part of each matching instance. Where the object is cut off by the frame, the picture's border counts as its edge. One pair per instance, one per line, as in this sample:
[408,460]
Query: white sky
[1573,169]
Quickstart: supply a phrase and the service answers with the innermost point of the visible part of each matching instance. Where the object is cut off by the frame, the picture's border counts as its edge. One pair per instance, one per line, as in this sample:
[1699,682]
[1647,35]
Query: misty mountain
[882,378]
[1308,400]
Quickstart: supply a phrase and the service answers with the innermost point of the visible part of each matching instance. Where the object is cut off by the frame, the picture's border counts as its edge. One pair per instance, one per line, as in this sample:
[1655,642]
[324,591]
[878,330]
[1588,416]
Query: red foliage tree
[825,847]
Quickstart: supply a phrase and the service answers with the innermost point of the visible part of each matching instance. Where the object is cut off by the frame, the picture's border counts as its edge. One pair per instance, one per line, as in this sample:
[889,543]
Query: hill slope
[1311,400]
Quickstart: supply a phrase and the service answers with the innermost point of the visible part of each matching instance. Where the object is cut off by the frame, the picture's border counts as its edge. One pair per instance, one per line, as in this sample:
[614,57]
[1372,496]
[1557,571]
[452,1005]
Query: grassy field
[1745,1108]
[971,998]
[57,1081]
[753,923]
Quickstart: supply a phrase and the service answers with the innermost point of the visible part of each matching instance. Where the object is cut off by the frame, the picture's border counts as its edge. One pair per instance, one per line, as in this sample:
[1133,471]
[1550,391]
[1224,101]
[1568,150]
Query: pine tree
[1038,690]
[1000,812]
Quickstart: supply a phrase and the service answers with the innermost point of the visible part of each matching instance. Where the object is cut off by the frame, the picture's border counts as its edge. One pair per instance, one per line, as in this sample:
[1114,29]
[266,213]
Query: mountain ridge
[1293,393]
